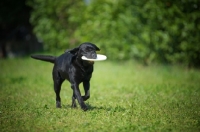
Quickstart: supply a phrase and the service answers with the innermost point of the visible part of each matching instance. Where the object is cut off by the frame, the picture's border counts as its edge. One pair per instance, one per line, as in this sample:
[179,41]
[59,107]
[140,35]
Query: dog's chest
[86,74]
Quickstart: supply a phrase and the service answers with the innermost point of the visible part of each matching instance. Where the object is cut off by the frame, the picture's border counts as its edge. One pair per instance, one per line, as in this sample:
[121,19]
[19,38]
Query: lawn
[125,96]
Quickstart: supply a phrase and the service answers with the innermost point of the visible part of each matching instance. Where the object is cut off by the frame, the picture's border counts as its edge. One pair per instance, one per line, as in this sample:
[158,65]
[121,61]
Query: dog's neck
[84,65]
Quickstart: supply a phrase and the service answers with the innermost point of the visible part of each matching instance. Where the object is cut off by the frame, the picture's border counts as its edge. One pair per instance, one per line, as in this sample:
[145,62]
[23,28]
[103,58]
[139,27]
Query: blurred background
[147,31]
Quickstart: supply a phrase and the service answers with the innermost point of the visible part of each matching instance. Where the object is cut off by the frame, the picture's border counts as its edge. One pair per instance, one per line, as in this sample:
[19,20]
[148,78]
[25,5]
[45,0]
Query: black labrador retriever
[70,66]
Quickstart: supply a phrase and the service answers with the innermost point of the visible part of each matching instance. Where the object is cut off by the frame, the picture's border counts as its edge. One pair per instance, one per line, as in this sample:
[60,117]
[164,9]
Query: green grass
[124,97]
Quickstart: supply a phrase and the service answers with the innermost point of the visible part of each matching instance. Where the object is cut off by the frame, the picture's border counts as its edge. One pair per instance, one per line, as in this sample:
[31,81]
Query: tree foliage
[51,21]
[147,30]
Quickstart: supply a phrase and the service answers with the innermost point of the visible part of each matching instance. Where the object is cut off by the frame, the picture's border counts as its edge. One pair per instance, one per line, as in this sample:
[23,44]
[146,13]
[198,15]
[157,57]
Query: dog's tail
[47,58]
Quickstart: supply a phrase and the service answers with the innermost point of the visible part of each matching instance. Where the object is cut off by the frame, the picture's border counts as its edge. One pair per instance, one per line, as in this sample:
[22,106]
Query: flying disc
[99,58]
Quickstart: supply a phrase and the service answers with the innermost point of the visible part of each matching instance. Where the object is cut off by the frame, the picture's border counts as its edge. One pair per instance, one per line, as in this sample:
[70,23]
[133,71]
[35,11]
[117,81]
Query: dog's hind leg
[57,87]
[74,100]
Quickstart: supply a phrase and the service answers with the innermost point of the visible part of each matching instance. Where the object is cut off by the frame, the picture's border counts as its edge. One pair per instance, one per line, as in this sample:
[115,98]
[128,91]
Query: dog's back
[64,60]
[63,64]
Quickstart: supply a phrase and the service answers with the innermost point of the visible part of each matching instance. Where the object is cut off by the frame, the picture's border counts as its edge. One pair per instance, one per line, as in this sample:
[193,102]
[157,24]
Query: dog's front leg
[76,90]
[86,85]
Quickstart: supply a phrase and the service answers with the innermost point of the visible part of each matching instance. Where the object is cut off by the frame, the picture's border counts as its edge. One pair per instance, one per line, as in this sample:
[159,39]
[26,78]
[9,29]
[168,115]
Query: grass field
[125,97]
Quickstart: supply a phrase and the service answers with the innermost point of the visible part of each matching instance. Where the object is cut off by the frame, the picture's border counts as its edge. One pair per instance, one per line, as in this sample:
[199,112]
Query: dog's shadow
[103,108]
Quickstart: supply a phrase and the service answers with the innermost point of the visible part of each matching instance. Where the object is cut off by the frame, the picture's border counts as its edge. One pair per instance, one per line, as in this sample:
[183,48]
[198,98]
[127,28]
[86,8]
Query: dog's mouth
[91,56]
[91,62]
[88,62]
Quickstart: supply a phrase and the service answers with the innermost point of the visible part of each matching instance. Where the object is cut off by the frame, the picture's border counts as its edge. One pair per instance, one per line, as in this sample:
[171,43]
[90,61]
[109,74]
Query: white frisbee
[99,58]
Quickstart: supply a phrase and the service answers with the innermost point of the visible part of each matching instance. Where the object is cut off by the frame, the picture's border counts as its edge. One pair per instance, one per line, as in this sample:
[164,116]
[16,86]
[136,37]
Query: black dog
[70,66]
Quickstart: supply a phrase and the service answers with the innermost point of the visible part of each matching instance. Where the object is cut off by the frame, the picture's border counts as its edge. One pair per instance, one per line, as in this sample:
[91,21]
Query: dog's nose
[94,56]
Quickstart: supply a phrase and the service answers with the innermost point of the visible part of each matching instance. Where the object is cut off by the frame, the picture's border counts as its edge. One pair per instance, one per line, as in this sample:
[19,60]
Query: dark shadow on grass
[106,108]
[103,108]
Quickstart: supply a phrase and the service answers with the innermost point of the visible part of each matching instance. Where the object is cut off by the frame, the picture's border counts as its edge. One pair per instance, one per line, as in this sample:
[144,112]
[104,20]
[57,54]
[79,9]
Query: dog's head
[85,49]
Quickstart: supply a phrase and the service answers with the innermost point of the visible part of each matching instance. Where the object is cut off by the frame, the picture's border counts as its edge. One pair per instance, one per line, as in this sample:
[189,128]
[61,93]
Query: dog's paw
[85,108]
[58,104]
[85,98]
[74,105]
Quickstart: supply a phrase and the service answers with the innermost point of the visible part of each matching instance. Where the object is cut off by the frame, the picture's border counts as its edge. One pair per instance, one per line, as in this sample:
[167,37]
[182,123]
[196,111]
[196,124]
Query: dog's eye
[89,49]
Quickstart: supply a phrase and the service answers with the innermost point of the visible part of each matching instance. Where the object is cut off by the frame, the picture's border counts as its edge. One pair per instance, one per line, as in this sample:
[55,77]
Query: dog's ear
[73,51]
[97,48]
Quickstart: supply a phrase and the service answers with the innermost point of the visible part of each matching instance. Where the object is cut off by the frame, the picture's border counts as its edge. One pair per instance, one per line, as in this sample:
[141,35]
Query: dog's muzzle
[94,56]
[91,56]
[91,62]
